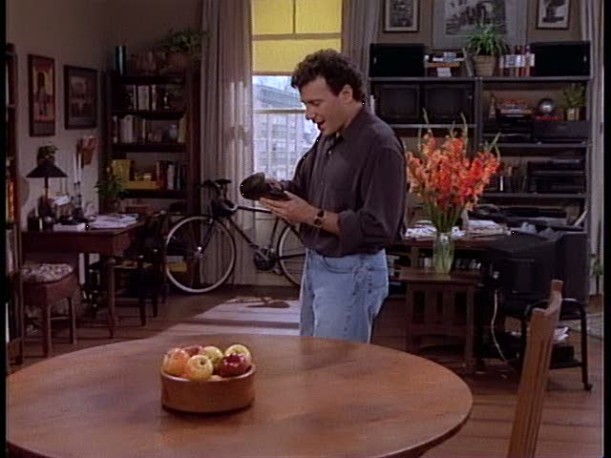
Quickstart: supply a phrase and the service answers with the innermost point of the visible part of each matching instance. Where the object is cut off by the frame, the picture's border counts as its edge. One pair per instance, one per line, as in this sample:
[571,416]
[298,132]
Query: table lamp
[46,169]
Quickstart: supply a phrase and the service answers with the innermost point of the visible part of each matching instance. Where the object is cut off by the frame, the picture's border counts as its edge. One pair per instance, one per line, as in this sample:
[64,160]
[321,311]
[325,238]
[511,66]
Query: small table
[437,313]
[108,243]
[314,397]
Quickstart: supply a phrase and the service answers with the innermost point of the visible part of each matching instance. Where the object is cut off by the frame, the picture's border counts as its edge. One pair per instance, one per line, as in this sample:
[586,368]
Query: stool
[44,286]
[438,313]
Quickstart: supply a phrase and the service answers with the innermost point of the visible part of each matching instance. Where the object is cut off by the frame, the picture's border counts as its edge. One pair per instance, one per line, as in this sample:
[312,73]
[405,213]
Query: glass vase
[443,252]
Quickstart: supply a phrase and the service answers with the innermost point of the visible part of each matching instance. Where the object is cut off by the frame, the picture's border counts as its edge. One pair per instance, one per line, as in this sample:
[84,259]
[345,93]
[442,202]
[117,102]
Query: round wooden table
[314,397]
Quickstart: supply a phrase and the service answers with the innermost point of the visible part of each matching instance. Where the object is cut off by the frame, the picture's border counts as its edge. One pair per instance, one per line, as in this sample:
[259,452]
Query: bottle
[517,52]
[520,61]
[492,107]
[530,64]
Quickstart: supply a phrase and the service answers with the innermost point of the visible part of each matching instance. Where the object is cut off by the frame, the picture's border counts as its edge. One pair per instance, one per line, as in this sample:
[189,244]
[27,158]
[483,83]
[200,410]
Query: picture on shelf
[553,14]
[41,75]
[454,21]
[401,15]
[80,93]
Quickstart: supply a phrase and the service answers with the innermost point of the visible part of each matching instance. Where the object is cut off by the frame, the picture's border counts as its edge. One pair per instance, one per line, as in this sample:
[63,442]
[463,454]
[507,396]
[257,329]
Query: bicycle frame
[251,243]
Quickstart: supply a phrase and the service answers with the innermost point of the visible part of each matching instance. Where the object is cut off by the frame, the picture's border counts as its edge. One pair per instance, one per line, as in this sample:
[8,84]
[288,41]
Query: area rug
[595,325]
[254,311]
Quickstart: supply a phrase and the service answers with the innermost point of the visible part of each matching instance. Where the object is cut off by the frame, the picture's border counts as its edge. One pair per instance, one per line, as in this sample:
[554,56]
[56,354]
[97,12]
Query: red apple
[174,361]
[193,349]
[233,365]
[198,368]
[240,349]
[214,353]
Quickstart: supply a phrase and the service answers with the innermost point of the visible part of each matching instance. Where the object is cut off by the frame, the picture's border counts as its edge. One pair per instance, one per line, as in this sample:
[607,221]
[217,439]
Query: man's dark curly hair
[334,67]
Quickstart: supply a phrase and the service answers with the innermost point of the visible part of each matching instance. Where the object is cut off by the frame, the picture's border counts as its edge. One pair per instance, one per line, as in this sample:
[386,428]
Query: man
[348,194]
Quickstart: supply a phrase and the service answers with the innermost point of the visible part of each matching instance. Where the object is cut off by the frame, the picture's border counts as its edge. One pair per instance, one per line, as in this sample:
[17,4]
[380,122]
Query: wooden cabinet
[153,137]
[546,162]
[13,283]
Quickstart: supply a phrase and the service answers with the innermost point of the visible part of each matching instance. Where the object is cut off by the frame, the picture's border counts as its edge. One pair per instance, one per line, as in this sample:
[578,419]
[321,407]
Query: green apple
[213,353]
[199,368]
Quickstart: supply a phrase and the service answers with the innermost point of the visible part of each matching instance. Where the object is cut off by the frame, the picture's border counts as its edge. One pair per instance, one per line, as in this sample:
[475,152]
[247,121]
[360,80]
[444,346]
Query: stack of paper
[114,221]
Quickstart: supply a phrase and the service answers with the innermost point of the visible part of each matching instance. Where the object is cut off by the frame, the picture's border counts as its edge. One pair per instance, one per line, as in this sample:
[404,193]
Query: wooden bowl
[210,396]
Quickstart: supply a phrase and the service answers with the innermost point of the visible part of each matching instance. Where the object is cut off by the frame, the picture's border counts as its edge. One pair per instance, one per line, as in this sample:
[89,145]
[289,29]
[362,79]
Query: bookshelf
[14,299]
[153,138]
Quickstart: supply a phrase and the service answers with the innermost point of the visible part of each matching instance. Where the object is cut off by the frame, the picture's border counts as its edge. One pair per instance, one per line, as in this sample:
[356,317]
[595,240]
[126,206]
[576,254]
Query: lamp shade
[46,169]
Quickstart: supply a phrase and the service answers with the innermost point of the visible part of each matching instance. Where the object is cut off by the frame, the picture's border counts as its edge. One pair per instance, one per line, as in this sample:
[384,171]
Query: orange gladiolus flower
[446,178]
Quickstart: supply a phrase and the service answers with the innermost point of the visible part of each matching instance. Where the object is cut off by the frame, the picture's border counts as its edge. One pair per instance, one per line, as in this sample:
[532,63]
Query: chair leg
[46,331]
[72,314]
[584,351]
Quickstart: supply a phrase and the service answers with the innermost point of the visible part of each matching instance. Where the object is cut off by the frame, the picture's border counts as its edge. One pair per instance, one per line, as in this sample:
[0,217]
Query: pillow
[44,273]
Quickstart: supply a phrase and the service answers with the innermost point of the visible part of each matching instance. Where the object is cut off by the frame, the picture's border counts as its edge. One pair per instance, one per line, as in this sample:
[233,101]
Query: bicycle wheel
[200,254]
[291,254]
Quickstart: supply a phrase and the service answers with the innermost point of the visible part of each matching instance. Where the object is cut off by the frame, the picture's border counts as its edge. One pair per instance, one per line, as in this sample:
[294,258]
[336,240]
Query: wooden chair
[46,284]
[534,376]
[139,274]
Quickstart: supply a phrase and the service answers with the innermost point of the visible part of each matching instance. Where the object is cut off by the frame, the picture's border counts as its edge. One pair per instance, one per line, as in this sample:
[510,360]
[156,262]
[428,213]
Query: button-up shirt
[359,174]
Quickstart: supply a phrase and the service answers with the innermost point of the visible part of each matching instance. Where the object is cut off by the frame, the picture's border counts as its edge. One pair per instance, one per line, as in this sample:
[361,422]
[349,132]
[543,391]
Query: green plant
[486,41]
[188,41]
[110,187]
[574,96]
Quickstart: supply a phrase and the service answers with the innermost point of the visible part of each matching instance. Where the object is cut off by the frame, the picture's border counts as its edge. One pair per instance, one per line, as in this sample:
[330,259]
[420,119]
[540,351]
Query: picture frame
[80,97]
[41,92]
[401,15]
[553,14]
[453,22]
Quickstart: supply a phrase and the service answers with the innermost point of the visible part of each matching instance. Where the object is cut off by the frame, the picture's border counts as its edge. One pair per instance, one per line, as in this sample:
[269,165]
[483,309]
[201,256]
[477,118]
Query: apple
[214,353]
[233,365]
[193,349]
[240,349]
[174,361]
[199,368]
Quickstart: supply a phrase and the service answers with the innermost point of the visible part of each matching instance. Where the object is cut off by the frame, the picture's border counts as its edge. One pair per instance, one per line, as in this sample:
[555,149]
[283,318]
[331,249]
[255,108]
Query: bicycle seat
[256,186]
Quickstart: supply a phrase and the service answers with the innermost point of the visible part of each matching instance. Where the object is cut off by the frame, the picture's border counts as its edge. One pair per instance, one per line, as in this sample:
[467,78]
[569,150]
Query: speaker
[396,59]
[561,58]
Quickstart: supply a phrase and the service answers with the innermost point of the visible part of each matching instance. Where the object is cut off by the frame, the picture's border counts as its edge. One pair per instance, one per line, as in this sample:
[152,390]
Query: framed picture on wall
[454,21]
[41,92]
[80,97]
[553,14]
[401,15]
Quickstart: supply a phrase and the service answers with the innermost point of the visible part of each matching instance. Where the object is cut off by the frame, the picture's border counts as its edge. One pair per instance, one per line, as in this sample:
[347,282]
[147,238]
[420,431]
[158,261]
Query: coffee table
[314,397]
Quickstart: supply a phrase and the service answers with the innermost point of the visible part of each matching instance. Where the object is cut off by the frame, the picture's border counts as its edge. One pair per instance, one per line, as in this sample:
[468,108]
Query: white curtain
[592,29]
[226,108]
[360,19]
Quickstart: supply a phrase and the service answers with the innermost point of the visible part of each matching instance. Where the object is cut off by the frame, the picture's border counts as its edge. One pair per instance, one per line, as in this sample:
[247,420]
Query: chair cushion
[45,273]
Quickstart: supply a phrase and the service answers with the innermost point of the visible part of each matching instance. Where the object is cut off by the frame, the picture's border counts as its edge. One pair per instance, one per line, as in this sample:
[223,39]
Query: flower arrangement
[446,179]
[449,182]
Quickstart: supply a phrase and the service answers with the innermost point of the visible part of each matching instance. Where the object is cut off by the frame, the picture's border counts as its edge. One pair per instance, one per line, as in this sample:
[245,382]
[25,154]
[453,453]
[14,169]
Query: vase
[443,252]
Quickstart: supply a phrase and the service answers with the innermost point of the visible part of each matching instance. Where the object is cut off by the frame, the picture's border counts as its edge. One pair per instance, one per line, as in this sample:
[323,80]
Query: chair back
[533,381]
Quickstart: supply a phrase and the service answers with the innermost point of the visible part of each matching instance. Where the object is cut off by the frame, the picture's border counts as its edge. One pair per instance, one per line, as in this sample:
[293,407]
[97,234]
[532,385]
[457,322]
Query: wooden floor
[572,419]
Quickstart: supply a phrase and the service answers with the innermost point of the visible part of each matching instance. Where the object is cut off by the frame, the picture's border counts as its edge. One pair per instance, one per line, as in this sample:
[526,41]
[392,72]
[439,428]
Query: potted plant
[111,190]
[573,101]
[485,44]
[182,47]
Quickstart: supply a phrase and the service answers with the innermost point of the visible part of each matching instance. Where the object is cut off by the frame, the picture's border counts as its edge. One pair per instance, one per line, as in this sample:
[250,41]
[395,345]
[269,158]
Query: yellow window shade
[318,16]
[270,17]
[281,57]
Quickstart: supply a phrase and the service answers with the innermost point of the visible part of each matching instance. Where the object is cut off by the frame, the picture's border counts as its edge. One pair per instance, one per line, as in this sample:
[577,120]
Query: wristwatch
[318,218]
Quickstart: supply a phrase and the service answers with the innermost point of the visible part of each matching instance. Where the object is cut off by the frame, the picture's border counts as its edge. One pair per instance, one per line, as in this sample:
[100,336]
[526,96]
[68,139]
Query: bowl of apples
[206,379]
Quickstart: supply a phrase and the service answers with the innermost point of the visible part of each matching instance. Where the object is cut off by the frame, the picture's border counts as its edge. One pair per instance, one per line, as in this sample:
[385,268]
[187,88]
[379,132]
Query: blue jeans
[340,297]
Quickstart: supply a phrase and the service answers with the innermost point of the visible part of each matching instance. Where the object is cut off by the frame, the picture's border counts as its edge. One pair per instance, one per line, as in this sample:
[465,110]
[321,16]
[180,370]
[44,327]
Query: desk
[108,243]
[314,397]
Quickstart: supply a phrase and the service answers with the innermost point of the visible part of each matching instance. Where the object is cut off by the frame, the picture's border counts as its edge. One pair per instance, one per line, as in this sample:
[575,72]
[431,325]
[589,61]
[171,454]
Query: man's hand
[293,210]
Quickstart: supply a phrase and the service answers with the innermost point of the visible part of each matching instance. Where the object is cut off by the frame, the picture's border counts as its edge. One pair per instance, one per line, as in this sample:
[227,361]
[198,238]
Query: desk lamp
[46,169]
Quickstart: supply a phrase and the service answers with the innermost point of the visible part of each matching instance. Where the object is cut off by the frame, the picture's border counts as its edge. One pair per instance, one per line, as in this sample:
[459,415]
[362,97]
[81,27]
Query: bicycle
[200,250]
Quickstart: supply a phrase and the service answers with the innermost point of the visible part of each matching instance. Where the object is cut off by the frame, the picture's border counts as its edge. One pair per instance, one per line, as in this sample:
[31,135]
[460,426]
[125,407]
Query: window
[284,32]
